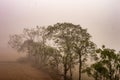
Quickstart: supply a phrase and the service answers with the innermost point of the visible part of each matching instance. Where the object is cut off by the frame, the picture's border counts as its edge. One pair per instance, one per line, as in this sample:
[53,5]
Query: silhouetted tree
[31,41]
[71,40]
[107,66]
[71,46]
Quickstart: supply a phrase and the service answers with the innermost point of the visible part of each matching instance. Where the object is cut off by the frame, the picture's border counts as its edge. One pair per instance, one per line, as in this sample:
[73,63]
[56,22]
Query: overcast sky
[100,17]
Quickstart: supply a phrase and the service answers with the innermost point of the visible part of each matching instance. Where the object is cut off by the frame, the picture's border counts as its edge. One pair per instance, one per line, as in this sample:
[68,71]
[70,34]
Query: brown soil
[17,71]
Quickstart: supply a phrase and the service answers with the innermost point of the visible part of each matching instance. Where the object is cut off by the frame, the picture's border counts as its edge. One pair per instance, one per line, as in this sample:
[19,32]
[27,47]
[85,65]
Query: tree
[82,46]
[71,46]
[31,41]
[107,66]
[71,40]
[97,71]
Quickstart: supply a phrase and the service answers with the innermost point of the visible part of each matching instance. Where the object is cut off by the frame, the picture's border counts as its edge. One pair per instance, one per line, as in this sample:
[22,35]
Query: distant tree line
[62,46]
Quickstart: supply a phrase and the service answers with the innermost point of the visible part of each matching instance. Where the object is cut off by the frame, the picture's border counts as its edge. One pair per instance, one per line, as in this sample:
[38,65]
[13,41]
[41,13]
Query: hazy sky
[100,17]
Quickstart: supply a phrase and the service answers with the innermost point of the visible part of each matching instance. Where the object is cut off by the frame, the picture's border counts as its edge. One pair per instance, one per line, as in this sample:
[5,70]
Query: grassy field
[17,71]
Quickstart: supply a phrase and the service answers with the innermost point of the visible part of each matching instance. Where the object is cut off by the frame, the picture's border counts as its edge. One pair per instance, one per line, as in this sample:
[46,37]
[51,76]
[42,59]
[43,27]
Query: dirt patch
[17,71]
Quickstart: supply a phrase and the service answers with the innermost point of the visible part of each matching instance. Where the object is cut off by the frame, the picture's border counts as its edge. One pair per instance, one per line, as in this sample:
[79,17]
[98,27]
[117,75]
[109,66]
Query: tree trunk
[80,66]
[70,73]
[65,72]
[110,67]
[96,76]
[71,67]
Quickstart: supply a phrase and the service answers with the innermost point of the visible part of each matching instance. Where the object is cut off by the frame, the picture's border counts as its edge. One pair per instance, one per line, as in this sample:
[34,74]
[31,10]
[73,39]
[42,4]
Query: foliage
[71,46]
[74,44]
[107,67]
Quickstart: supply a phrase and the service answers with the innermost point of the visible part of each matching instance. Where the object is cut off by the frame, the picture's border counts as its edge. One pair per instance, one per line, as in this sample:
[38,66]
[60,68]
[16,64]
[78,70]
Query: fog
[100,17]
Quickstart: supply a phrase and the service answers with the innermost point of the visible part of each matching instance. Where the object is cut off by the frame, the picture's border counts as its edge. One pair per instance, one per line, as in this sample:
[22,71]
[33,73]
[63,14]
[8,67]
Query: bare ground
[17,71]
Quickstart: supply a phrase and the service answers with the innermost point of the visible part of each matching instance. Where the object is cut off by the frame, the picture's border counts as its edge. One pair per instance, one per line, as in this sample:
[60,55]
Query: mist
[100,17]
